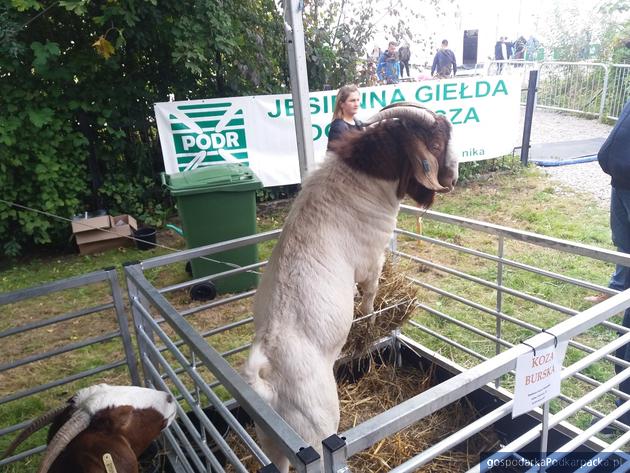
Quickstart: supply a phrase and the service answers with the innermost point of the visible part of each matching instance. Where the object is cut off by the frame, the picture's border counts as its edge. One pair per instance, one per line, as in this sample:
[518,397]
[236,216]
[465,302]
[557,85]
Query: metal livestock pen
[194,350]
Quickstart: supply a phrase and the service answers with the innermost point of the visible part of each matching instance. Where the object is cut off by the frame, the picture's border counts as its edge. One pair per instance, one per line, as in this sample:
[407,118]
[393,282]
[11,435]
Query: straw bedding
[396,299]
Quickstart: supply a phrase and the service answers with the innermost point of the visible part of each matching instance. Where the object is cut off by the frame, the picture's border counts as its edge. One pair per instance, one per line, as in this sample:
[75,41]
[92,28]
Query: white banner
[259,130]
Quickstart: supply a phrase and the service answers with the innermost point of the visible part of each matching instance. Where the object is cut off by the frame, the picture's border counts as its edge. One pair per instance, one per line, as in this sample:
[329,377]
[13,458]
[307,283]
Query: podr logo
[208,133]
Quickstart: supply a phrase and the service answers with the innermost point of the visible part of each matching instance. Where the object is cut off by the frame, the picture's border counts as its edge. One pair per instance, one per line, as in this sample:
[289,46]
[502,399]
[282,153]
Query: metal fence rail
[587,88]
[487,364]
[182,359]
[39,388]
[488,371]
[618,89]
[194,350]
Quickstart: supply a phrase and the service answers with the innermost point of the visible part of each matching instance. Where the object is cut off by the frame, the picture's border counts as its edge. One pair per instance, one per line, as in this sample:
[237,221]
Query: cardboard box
[90,224]
[120,226]
[104,245]
[104,233]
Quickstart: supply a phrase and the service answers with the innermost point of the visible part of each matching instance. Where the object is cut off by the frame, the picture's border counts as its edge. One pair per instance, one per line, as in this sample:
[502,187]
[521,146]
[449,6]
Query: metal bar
[544,438]
[294,30]
[179,456]
[483,282]
[59,382]
[508,262]
[602,105]
[447,340]
[521,323]
[185,255]
[22,455]
[527,237]
[123,325]
[464,325]
[213,304]
[181,440]
[58,351]
[194,405]
[499,304]
[54,320]
[529,114]
[55,286]
[210,394]
[212,277]
[134,303]
[261,413]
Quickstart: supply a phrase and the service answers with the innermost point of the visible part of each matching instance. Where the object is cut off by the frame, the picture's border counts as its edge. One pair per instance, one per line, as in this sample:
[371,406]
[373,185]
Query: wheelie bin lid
[231,177]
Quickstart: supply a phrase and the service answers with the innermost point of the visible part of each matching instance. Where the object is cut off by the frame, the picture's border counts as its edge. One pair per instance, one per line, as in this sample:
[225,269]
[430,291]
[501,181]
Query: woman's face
[351,106]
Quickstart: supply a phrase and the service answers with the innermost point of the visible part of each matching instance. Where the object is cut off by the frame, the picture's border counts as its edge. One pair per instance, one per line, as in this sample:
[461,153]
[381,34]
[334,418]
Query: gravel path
[551,127]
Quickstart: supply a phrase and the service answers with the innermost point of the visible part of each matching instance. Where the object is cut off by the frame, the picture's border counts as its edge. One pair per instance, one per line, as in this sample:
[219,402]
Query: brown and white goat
[334,238]
[117,420]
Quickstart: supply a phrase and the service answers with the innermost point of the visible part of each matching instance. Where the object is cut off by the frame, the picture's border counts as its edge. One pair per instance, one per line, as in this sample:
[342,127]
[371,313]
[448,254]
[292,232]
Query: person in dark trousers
[404,54]
[346,107]
[614,159]
[444,64]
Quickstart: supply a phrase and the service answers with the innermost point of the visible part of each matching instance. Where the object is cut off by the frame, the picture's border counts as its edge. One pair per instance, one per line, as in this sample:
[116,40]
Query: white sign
[537,378]
[259,130]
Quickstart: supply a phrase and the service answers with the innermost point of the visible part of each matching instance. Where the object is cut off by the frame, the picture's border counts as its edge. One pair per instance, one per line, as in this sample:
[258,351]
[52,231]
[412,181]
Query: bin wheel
[205,291]
[188,268]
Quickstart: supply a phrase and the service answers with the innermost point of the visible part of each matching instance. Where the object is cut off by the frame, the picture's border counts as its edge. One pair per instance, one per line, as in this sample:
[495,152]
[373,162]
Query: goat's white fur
[101,396]
[334,236]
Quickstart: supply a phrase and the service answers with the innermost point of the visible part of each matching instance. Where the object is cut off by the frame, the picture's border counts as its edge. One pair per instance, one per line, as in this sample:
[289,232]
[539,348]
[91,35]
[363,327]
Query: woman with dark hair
[346,107]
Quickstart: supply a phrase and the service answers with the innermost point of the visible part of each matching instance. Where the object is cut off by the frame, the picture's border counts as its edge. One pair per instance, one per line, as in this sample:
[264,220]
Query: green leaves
[43,53]
[76,6]
[40,117]
[66,110]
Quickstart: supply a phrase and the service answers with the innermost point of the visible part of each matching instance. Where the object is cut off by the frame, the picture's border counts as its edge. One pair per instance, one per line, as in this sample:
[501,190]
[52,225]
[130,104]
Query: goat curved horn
[68,431]
[34,426]
[403,110]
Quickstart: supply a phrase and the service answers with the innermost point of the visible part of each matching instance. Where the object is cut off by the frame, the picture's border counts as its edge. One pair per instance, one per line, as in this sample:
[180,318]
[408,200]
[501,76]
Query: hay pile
[382,388]
[396,297]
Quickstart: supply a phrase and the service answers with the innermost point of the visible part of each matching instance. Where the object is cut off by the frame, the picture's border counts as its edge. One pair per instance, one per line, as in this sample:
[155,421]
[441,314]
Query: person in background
[444,64]
[388,68]
[404,54]
[501,53]
[614,159]
[346,107]
[519,48]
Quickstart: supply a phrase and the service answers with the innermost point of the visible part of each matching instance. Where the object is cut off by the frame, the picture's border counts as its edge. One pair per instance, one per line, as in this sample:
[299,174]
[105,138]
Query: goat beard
[423,196]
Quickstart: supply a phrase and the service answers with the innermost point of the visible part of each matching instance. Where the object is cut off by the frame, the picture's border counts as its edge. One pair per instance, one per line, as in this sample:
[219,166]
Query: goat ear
[426,168]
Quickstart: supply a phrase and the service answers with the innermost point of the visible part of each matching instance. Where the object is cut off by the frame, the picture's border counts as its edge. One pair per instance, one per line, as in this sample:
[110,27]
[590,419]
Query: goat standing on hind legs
[334,237]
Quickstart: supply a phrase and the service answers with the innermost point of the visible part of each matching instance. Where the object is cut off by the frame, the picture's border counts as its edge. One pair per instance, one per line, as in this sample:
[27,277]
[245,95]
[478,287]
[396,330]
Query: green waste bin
[218,203]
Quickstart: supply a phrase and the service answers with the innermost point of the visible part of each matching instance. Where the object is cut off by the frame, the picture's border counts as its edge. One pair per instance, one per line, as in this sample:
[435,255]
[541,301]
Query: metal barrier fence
[195,351]
[50,355]
[185,358]
[581,87]
[618,90]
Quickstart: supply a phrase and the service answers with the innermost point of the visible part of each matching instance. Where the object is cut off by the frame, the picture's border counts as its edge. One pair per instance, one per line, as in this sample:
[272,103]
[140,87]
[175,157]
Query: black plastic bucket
[145,238]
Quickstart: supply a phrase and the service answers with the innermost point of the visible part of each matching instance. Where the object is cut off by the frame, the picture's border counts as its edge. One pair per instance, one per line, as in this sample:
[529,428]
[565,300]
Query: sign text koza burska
[258,131]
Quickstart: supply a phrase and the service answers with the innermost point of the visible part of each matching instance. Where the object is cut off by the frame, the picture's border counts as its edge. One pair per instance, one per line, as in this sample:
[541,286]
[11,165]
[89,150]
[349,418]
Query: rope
[129,237]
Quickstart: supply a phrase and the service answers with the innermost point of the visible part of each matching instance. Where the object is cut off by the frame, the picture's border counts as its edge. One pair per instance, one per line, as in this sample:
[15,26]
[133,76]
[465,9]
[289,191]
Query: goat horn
[403,110]
[68,431]
[34,426]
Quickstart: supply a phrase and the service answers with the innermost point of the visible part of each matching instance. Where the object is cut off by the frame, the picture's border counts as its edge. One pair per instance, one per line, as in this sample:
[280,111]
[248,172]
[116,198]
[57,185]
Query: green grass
[511,196]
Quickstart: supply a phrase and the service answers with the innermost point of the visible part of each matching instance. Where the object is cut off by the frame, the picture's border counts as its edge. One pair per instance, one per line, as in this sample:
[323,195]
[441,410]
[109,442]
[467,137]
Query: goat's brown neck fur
[385,152]
[114,431]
